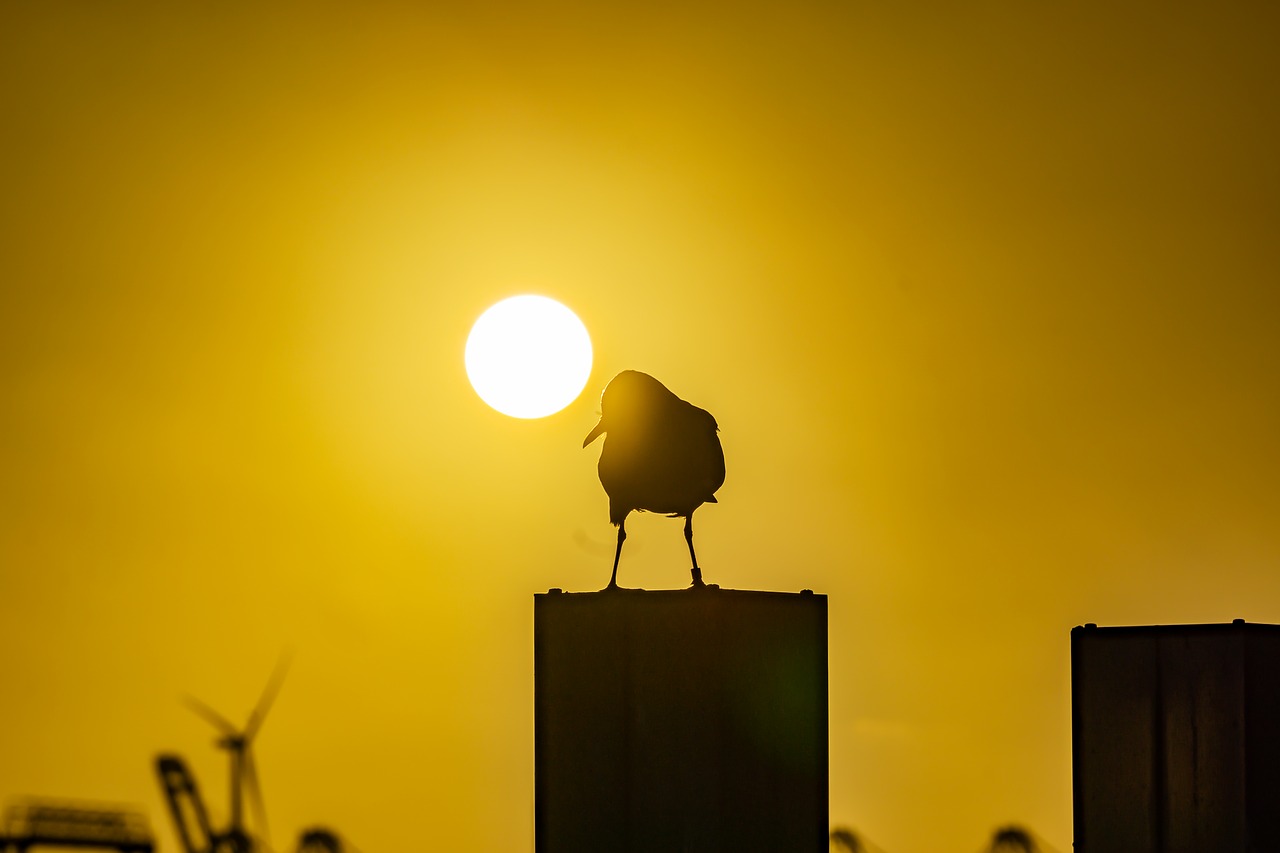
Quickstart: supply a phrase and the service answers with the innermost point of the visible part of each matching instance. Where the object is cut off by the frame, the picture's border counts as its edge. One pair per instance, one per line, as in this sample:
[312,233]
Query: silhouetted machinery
[319,840]
[190,818]
[186,807]
[1013,839]
[197,835]
[40,823]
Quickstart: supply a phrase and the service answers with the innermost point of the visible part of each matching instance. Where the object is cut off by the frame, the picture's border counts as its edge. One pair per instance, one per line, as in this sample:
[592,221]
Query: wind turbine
[244,770]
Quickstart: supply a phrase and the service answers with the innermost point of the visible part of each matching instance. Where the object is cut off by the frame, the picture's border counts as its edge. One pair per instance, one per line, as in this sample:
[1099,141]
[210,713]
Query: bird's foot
[613,587]
[697,577]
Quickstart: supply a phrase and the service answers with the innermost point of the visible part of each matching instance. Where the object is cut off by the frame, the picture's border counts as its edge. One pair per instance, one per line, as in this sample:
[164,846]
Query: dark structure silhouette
[185,804]
[42,823]
[665,721]
[191,820]
[1013,839]
[319,840]
[845,840]
[1176,738]
[661,454]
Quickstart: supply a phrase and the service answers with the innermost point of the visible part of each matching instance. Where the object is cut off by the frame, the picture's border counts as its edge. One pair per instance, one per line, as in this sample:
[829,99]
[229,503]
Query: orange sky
[983,296]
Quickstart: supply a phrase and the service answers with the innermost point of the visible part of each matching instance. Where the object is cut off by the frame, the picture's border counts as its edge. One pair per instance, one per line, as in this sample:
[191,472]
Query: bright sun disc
[528,356]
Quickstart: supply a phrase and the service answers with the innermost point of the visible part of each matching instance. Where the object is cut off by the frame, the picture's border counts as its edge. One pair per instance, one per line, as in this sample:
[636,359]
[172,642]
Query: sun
[528,356]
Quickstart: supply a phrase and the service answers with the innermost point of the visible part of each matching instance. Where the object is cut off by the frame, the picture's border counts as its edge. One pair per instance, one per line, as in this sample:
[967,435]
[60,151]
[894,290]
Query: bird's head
[630,400]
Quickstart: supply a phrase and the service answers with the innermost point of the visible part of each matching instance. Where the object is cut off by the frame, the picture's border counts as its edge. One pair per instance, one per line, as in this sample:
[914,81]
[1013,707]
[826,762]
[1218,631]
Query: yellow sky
[983,296]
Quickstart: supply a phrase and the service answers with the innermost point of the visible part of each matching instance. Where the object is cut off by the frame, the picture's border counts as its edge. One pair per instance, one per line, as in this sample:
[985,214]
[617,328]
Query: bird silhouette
[661,455]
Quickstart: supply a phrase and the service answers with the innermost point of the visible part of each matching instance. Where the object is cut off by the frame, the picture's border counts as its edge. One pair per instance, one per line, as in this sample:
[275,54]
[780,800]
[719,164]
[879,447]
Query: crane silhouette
[661,454]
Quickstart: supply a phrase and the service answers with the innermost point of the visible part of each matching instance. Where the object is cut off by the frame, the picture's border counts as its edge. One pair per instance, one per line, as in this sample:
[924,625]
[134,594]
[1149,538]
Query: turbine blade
[268,695]
[255,797]
[212,716]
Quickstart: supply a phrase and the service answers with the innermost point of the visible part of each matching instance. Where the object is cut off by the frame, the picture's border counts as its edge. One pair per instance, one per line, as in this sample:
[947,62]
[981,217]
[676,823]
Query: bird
[661,454]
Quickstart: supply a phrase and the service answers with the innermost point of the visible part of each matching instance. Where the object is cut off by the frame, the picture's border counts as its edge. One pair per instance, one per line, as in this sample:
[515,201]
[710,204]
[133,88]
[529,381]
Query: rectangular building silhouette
[683,720]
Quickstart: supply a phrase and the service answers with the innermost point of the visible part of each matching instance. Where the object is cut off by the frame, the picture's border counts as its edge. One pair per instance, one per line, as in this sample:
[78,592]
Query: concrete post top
[1160,630]
[710,590]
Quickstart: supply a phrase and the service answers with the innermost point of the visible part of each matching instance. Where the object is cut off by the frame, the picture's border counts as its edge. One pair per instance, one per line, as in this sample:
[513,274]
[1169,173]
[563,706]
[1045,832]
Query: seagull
[661,455]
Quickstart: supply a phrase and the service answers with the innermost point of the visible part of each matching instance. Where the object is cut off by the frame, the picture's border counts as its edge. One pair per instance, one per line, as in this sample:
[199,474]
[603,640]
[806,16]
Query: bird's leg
[617,555]
[688,537]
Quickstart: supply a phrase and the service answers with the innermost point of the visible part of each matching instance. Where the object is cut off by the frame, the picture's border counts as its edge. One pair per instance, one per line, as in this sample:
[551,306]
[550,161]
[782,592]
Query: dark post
[1176,738]
[691,720]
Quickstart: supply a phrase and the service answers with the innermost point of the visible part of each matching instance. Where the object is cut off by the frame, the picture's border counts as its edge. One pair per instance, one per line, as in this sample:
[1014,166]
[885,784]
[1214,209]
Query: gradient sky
[985,297]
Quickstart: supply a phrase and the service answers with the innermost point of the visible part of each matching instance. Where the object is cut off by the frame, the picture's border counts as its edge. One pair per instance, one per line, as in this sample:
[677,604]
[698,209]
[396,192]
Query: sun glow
[528,356]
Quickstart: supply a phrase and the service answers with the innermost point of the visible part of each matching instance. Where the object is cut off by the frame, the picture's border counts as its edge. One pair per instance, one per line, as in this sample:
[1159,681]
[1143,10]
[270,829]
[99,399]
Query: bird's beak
[594,434]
